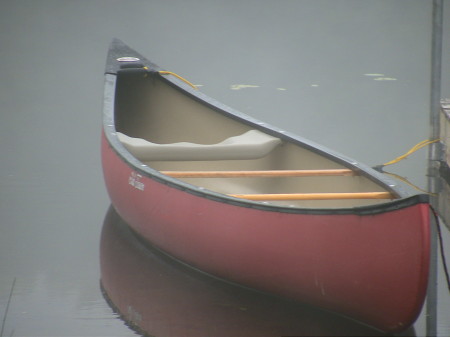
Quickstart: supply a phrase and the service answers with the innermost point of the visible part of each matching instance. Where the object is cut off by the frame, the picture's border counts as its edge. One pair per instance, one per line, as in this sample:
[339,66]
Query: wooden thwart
[259,174]
[284,173]
[315,196]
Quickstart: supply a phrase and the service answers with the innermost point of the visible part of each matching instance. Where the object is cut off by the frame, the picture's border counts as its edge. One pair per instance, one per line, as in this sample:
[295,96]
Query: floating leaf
[242,86]
[385,79]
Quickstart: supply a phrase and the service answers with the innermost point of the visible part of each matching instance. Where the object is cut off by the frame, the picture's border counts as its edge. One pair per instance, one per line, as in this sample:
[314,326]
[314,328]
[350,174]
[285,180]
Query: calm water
[350,74]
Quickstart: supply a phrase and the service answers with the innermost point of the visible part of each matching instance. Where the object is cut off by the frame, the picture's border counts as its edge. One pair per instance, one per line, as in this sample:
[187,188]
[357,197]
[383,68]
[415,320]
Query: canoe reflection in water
[159,296]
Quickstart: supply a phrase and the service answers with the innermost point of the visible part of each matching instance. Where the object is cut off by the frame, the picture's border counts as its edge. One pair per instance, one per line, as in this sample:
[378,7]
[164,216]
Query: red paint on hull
[372,268]
[158,297]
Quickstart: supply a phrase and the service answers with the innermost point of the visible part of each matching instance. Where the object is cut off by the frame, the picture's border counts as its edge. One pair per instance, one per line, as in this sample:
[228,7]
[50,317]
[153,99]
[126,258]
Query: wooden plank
[315,196]
[266,173]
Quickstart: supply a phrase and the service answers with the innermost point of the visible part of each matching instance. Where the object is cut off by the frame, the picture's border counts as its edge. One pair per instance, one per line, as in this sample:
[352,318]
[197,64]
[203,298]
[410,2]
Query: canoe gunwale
[112,72]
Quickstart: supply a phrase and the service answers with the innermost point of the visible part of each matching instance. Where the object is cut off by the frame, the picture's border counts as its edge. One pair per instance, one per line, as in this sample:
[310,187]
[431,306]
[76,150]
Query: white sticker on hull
[135,181]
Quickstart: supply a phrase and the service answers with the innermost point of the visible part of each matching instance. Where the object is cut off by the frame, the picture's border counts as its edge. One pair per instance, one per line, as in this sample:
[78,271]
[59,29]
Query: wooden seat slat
[315,196]
[261,173]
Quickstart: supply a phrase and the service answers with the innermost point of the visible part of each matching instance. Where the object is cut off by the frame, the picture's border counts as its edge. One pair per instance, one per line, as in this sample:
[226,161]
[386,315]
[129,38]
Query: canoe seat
[252,144]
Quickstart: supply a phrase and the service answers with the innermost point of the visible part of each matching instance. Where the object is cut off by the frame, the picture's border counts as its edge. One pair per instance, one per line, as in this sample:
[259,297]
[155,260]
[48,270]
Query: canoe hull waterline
[367,262]
[157,296]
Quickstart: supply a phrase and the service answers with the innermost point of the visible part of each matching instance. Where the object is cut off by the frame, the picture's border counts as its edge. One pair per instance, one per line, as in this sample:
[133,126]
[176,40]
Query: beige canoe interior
[170,131]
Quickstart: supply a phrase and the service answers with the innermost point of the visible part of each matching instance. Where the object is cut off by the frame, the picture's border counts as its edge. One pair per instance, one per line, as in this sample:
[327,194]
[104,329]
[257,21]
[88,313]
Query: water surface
[350,74]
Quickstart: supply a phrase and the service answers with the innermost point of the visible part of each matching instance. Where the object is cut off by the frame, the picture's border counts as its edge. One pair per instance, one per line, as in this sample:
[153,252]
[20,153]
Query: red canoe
[257,206]
[159,297]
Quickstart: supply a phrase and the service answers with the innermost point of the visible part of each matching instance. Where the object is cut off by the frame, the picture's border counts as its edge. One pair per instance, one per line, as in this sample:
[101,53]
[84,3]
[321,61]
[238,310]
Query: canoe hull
[370,266]
[159,297]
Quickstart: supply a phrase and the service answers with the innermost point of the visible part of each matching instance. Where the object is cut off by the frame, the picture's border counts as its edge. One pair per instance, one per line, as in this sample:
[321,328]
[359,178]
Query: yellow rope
[163,72]
[406,181]
[412,150]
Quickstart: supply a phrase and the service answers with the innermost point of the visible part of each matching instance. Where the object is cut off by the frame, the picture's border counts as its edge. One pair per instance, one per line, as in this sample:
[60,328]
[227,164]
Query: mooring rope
[441,246]
[411,151]
[164,72]
[407,182]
